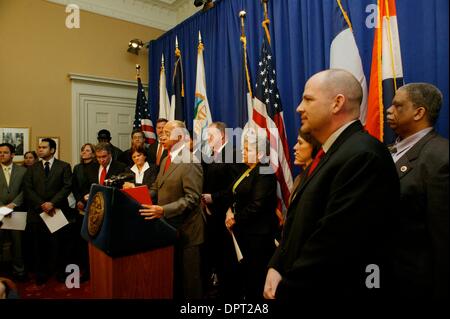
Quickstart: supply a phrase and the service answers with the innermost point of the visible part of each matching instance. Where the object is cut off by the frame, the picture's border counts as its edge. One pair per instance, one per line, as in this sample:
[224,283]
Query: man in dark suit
[220,170]
[421,158]
[47,185]
[11,196]
[178,189]
[104,136]
[337,227]
[156,150]
[106,166]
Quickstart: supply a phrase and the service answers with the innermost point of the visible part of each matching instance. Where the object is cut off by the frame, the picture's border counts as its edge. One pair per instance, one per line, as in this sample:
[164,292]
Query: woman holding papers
[144,173]
[252,221]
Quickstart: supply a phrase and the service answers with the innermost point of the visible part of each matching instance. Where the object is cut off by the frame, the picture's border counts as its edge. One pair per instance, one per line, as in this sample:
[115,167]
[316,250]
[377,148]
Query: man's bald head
[330,100]
[338,81]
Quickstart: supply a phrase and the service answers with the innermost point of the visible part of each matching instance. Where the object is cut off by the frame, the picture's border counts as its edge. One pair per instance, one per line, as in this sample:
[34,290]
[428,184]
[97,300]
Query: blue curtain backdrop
[301,33]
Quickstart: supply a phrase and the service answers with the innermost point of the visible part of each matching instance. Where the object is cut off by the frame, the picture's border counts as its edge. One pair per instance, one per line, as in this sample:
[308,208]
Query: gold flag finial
[138,70]
[242,15]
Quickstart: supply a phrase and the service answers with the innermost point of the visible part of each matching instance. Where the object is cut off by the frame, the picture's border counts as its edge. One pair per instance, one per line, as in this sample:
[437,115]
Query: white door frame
[88,88]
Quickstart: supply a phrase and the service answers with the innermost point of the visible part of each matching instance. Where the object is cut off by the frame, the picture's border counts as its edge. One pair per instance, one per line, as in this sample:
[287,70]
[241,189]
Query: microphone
[118,180]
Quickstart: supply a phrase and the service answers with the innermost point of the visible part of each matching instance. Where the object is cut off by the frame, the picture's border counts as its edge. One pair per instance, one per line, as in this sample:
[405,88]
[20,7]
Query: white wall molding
[160,14]
[103,80]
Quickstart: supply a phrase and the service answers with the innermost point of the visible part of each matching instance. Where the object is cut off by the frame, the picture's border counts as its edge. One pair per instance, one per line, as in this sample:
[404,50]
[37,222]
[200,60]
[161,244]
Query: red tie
[169,160]
[103,176]
[158,155]
[316,161]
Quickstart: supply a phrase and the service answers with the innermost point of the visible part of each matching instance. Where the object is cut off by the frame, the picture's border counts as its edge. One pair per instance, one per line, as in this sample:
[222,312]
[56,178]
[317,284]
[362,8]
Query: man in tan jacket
[177,189]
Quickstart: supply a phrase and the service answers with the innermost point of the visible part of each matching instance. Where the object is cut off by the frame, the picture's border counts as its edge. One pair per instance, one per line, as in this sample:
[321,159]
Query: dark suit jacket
[254,203]
[178,192]
[422,262]
[338,221]
[55,188]
[12,193]
[152,150]
[115,152]
[115,168]
[80,180]
[149,175]
[219,175]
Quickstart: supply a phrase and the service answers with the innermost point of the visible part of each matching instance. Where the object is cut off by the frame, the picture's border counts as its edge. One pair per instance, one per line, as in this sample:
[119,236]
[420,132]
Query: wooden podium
[129,257]
[146,275]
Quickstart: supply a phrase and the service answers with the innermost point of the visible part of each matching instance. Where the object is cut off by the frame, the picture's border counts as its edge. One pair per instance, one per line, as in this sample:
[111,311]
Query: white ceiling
[160,14]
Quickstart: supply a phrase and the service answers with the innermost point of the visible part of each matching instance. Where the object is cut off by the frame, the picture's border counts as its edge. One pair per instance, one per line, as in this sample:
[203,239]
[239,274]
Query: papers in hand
[4,211]
[236,248]
[55,222]
[17,221]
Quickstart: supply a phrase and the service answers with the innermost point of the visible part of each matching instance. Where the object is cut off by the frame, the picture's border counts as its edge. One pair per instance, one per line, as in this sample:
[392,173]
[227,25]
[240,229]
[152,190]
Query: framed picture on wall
[55,138]
[17,136]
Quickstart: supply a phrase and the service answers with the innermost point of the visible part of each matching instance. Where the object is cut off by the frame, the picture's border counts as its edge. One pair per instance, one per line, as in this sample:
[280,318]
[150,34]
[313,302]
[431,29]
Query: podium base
[147,275]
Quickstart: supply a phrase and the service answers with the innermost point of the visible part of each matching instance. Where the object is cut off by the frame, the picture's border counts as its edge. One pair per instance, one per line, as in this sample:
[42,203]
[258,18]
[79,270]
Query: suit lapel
[52,169]
[406,163]
[12,178]
[172,167]
[3,178]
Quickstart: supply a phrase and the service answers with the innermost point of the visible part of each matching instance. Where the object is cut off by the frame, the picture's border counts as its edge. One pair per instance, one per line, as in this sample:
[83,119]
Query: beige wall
[37,52]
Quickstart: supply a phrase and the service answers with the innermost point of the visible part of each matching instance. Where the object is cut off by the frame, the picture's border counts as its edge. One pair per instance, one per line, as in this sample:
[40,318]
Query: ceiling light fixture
[135,45]
[207,4]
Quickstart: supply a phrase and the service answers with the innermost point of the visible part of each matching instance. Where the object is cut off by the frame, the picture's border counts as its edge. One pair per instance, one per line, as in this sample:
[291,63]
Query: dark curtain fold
[301,32]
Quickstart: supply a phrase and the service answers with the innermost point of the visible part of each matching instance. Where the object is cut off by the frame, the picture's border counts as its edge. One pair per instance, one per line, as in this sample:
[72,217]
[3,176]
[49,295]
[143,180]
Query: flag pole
[345,15]
[242,15]
[265,23]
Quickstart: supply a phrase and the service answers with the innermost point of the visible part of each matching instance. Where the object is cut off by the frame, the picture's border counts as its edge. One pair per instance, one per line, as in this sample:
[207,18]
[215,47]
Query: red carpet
[53,290]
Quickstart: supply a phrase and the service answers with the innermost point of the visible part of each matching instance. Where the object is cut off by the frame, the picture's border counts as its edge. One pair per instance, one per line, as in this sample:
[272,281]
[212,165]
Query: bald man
[334,240]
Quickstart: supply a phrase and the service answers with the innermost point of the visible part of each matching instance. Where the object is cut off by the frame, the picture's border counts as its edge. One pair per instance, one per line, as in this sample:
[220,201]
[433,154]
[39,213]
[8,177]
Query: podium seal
[96,212]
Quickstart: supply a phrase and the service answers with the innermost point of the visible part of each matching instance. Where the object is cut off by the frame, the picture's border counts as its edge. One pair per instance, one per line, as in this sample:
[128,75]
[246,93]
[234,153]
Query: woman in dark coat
[253,222]
[81,187]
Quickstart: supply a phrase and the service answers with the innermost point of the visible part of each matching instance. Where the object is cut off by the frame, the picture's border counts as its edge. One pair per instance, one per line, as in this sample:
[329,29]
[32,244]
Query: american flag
[142,116]
[268,114]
